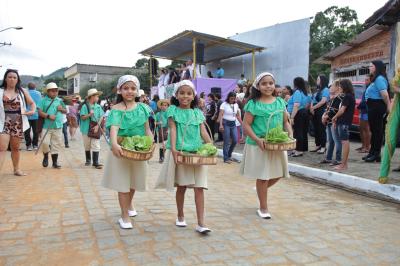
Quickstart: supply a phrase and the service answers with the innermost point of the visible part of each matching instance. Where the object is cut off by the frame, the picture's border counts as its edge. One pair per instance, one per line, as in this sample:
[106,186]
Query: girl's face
[164,106]
[266,86]
[318,81]
[185,96]
[11,80]
[372,68]
[333,89]
[232,99]
[129,91]
[278,92]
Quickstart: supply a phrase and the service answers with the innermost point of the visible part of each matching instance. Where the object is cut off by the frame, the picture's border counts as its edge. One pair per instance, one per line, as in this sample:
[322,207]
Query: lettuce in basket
[207,150]
[137,143]
[277,135]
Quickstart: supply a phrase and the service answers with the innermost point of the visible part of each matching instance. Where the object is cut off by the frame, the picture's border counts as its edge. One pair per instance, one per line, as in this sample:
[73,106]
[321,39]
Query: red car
[359,87]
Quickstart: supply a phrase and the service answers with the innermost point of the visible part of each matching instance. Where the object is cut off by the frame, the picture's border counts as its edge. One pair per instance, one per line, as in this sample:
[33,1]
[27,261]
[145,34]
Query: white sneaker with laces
[132,213]
[124,225]
[202,230]
[179,223]
[266,215]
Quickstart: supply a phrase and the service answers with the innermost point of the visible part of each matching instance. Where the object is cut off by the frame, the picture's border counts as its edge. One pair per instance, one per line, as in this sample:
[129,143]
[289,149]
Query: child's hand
[52,117]
[60,108]
[91,113]
[175,154]
[117,150]
[221,128]
[261,144]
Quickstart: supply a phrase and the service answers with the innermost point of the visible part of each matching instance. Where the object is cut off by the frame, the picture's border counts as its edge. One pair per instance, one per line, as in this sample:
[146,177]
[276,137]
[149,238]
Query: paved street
[65,217]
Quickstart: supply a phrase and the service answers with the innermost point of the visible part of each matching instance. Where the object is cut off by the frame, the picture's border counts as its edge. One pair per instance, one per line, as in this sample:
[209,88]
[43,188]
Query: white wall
[286,54]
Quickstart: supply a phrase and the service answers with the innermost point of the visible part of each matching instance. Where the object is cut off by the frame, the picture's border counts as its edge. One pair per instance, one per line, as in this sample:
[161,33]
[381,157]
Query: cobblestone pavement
[65,217]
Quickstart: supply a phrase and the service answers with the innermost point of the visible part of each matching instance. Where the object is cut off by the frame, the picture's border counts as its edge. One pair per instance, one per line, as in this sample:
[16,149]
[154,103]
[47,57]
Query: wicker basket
[192,158]
[284,146]
[137,155]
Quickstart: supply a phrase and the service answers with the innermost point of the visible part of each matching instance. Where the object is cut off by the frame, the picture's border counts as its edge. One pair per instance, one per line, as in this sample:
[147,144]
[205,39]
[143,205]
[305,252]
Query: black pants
[211,124]
[300,129]
[319,128]
[65,133]
[376,114]
[28,140]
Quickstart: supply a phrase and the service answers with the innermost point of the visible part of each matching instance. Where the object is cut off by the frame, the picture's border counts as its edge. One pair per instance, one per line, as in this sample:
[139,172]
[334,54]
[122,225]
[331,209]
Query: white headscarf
[122,80]
[184,82]
[260,76]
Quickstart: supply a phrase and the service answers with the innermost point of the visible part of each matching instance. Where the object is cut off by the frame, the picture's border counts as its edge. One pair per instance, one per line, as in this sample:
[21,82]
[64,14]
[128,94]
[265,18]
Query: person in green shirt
[162,125]
[51,109]
[186,133]
[267,167]
[91,111]
[127,118]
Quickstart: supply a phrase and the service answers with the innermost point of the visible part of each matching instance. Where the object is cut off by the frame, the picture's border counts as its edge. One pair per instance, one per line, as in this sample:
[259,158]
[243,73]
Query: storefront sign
[359,58]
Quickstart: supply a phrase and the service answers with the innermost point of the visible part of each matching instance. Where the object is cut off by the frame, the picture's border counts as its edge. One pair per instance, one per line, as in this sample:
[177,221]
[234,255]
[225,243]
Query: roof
[389,14]
[180,47]
[360,38]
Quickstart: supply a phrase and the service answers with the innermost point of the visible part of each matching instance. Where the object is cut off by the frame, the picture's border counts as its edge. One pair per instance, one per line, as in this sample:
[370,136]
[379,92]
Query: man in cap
[51,109]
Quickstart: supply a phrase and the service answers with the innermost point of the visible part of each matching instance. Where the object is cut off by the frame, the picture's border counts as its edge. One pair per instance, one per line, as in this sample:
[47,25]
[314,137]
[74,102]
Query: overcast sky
[60,33]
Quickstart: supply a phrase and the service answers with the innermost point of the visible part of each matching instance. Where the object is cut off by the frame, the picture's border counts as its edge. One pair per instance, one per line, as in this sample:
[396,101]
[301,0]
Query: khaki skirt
[173,175]
[122,175]
[264,165]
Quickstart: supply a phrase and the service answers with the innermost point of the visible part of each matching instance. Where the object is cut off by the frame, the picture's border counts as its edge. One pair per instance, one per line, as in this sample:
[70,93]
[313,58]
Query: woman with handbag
[91,126]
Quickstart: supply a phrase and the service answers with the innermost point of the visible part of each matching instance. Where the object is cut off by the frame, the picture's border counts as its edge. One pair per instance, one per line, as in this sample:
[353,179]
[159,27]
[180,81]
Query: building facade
[81,75]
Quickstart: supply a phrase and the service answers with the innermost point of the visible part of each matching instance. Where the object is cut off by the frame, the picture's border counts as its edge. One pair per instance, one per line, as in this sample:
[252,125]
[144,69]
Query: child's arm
[147,130]
[172,128]
[339,114]
[115,147]
[286,124]
[247,121]
[204,134]
[239,116]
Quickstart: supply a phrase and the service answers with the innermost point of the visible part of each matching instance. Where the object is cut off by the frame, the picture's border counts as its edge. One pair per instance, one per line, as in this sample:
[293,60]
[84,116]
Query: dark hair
[380,69]
[202,94]
[323,82]
[300,84]
[193,104]
[230,95]
[242,75]
[248,92]
[346,85]
[277,86]
[18,87]
[289,89]
[212,96]
[156,98]
[31,85]
[209,74]
[218,96]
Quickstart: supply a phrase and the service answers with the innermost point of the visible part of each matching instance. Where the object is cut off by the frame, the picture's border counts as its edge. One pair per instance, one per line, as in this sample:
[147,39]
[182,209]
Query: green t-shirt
[132,122]
[262,112]
[44,104]
[97,114]
[190,118]
[163,118]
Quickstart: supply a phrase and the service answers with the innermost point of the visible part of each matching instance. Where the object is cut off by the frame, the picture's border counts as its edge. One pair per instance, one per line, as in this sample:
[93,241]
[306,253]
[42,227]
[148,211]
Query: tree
[60,81]
[174,64]
[142,63]
[329,29]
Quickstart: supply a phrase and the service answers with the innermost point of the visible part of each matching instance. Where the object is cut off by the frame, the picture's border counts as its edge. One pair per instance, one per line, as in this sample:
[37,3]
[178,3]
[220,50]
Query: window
[76,82]
[363,71]
[346,74]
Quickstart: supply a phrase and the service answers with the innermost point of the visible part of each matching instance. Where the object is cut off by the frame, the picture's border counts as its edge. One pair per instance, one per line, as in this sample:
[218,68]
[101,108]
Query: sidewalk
[65,217]
[361,177]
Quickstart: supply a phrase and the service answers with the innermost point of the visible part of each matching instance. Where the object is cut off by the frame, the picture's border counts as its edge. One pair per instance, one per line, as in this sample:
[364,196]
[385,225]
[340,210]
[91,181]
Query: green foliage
[277,135]
[207,150]
[174,64]
[60,81]
[329,29]
[142,63]
[137,143]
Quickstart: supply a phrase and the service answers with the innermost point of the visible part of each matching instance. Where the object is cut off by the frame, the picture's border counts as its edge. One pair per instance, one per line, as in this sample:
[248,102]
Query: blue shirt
[36,97]
[374,89]
[153,105]
[324,93]
[220,73]
[298,97]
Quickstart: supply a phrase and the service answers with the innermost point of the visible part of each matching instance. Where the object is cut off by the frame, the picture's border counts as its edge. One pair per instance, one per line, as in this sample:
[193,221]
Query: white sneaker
[132,213]
[29,148]
[179,223]
[266,215]
[124,225]
[202,230]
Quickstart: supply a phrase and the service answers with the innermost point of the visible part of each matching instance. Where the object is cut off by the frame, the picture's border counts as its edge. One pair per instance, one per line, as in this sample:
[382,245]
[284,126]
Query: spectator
[378,105]
[320,98]
[365,133]
[211,108]
[153,103]
[190,67]
[220,73]
[209,74]
[343,119]
[161,79]
[278,91]
[229,112]
[72,117]
[287,92]
[32,143]
[219,102]
[242,81]
[298,106]
[202,102]
[65,125]
[174,76]
[335,101]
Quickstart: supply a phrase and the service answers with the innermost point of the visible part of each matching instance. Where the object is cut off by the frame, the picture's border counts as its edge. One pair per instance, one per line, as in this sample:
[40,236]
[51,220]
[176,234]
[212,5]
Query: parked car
[359,87]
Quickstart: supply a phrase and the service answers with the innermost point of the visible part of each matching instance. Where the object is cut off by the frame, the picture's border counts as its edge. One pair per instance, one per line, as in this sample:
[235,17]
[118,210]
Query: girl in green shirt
[184,117]
[265,166]
[127,118]
[162,125]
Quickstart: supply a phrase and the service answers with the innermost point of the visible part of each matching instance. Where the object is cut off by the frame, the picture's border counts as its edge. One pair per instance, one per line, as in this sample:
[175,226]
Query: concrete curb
[353,183]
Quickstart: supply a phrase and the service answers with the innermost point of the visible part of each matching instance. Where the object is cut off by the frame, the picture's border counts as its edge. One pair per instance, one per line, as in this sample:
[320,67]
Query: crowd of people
[245,116]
